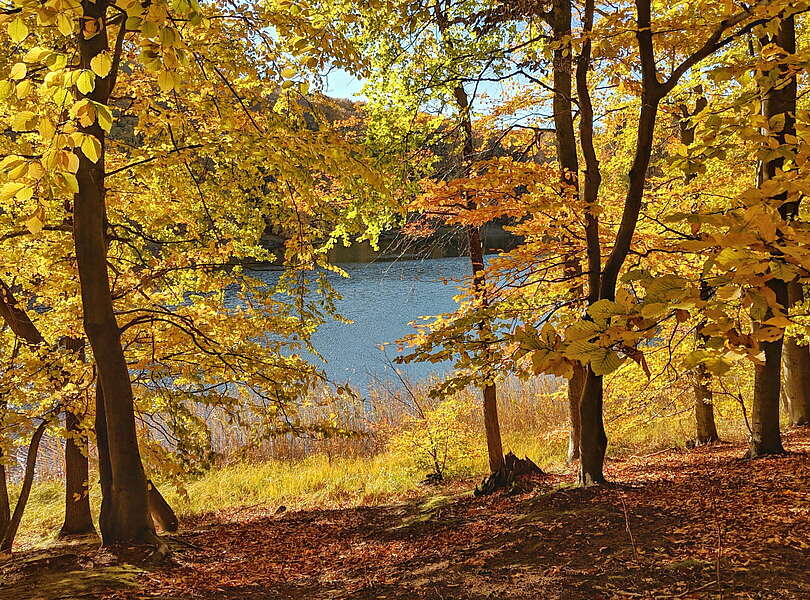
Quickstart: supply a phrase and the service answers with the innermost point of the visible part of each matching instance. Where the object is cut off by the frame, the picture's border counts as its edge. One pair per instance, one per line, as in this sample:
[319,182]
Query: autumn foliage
[646,158]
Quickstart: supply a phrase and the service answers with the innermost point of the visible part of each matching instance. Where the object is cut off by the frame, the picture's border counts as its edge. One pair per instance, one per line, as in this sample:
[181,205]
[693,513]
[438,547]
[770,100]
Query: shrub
[440,440]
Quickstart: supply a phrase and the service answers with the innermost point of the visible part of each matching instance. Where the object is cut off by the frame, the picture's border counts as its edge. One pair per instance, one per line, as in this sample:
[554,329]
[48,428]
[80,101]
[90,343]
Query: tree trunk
[566,145]
[104,467]
[593,443]
[493,429]
[766,437]
[129,520]
[705,428]
[796,371]
[593,439]
[10,532]
[576,384]
[161,511]
[476,253]
[796,381]
[5,504]
[78,519]
[491,424]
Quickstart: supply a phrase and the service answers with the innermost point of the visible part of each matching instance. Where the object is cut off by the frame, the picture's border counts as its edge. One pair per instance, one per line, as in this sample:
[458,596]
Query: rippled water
[381,299]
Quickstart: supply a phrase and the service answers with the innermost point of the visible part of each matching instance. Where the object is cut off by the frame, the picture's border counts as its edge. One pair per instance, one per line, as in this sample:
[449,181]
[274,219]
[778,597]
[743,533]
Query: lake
[381,299]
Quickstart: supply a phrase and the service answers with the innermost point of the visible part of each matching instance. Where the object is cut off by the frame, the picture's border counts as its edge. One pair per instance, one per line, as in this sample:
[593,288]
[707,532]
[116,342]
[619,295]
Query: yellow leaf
[10,162]
[18,170]
[72,162]
[101,64]
[86,81]
[91,148]
[85,114]
[46,128]
[779,322]
[24,88]
[653,310]
[728,292]
[17,30]
[36,221]
[35,170]
[21,119]
[768,334]
[25,194]
[9,190]
[717,366]
[64,24]
[603,309]
[605,362]
[166,81]
[36,54]
[6,89]
[71,183]
[62,97]
[104,116]
[18,71]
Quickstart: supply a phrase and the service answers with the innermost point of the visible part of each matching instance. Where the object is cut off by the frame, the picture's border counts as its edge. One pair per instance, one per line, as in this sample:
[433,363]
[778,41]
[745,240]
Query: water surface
[381,299]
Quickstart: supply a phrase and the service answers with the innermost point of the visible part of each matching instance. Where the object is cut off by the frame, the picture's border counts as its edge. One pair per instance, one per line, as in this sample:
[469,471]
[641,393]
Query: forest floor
[676,524]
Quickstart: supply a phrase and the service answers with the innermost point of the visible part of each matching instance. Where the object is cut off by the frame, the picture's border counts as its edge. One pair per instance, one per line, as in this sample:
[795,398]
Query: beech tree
[87,141]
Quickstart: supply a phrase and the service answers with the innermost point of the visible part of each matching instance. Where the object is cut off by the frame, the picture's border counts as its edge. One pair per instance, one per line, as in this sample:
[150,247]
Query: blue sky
[340,84]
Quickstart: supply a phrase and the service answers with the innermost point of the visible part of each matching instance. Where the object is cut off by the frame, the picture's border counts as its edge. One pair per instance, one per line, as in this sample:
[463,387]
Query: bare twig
[627,527]
[697,589]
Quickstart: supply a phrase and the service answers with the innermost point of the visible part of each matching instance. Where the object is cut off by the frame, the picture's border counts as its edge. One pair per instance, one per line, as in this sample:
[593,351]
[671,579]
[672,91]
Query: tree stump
[507,476]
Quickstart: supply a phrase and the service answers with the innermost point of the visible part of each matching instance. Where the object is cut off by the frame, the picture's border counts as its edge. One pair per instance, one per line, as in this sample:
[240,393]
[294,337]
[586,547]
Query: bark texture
[129,520]
[593,439]
[796,371]
[593,444]
[576,384]
[5,503]
[78,518]
[104,467]
[489,392]
[766,436]
[705,427]
[476,251]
